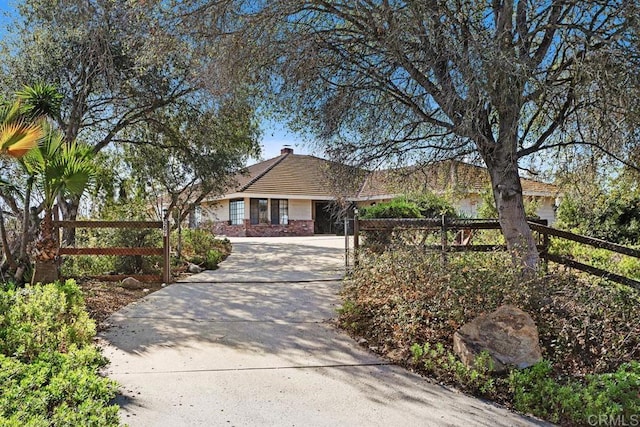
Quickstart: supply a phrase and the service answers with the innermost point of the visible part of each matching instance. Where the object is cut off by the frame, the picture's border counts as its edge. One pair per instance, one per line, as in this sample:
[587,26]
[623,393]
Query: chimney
[286,150]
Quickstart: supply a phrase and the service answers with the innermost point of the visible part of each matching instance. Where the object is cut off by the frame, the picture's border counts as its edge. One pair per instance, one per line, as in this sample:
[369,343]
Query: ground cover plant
[48,363]
[201,247]
[407,304]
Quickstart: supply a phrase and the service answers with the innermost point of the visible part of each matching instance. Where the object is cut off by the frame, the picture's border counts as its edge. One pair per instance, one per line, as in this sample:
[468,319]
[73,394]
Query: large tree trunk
[507,193]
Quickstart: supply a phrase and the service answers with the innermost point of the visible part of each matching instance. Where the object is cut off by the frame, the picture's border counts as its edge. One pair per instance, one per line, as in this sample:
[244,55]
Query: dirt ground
[104,298]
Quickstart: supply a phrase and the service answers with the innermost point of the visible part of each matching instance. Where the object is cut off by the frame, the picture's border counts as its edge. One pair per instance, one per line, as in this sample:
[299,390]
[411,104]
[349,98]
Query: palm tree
[40,102]
[60,169]
[18,135]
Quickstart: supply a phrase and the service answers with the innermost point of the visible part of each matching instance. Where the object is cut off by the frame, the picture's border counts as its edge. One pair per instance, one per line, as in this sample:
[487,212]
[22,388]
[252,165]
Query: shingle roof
[302,175]
[444,176]
[292,174]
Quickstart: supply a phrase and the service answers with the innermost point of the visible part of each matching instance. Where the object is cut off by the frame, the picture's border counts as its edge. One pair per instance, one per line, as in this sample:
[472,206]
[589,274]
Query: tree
[205,148]
[605,206]
[60,169]
[115,63]
[19,133]
[504,79]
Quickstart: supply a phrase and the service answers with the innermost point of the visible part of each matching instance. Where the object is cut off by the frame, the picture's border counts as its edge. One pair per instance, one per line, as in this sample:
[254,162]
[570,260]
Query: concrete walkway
[249,345]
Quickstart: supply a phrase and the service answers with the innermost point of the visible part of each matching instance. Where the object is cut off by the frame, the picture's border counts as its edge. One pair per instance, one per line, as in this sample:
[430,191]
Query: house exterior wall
[218,211]
[300,209]
[546,209]
[300,221]
[468,207]
[293,228]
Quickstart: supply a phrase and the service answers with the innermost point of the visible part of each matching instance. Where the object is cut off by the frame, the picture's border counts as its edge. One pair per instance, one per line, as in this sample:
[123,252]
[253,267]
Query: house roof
[445,176]
[291,174]
[302,175]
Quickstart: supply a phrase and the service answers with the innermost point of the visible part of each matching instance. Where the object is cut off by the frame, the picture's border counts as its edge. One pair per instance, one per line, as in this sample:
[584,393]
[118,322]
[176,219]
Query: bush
[601,258]
[397,208]
[587,329]
[613,395]
[56,388]
[612,214]
[202,248]
[48,365]
[87,265]
[43,318]
[436,360]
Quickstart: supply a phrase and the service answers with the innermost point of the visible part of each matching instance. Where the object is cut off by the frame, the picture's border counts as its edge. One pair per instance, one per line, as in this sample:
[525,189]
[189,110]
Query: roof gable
[296,175]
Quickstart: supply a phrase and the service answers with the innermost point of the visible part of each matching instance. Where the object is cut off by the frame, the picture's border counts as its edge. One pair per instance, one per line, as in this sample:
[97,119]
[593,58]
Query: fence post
[443,239]
[166,263]
[546,243]
[356,237]
[346,242]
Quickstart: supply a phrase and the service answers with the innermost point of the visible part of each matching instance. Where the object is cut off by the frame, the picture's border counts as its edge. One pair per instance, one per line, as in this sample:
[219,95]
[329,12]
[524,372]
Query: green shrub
[397,208]
[43,318]
[615,395]
[587,328]
[201,247]
[438,361]
[87,265]
[433,206]
[137,264]
[194,241]
[61,389]
[601,258]
[48,365]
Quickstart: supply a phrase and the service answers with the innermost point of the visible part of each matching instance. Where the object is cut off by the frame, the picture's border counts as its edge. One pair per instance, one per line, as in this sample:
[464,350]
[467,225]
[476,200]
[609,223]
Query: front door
[323,218]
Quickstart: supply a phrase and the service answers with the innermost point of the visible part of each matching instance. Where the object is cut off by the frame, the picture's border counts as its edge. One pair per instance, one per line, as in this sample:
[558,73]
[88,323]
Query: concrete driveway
[250,345]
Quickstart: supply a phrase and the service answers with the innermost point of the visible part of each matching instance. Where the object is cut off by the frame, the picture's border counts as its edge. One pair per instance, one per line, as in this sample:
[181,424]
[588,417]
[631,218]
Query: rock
[131,283]
[193,268]
[508,334]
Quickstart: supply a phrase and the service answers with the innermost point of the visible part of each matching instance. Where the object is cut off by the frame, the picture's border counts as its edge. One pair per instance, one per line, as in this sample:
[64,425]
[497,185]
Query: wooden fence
[165,277]
[465,227]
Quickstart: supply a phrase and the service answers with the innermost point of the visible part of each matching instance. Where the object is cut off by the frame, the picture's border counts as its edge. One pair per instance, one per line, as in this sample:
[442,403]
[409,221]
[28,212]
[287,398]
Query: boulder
[131,283]
[193,268]
[508,334]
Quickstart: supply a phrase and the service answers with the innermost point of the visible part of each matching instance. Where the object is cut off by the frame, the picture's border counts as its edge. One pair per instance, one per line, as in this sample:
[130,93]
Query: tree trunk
[47,244]
[22,255]
[69,210]
[5,243]
[507,193]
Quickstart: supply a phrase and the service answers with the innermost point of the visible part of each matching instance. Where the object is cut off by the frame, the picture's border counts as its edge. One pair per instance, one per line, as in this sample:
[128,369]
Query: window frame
[236,216]
[259,211]
[279,208]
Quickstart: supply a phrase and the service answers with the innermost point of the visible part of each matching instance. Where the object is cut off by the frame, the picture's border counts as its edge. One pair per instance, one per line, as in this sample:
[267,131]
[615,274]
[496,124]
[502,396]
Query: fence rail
[119,251]
[545,233]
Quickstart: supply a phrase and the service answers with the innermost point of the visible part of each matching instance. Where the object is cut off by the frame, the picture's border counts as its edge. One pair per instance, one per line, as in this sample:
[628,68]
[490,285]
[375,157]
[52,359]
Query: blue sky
[274,134]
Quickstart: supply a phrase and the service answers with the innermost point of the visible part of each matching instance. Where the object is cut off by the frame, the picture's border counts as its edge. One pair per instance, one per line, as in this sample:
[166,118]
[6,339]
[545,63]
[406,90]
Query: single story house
[293,194]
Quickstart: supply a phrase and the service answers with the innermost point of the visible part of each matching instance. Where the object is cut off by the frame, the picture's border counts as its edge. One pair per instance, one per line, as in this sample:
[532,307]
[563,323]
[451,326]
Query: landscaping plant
[407,304]
[48,363]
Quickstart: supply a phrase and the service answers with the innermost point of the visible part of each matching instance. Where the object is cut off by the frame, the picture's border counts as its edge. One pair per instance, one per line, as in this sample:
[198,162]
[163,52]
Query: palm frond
[17,138]
[40,100]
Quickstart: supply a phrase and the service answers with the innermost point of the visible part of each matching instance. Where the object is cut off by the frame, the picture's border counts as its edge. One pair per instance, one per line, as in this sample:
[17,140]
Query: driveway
[250,344]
